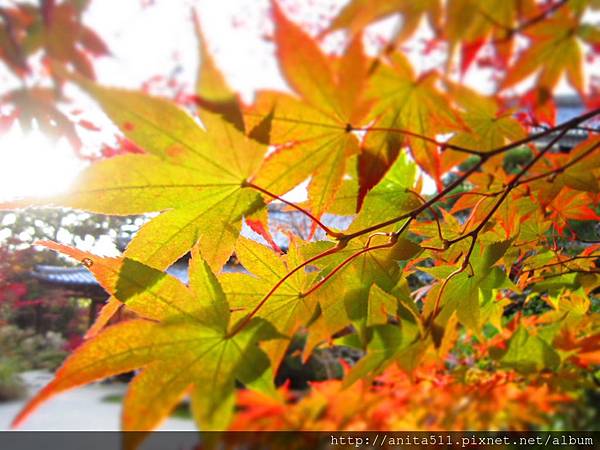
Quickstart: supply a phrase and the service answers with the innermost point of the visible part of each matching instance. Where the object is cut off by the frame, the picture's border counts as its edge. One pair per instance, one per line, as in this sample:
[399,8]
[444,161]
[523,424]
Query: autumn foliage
[475,305]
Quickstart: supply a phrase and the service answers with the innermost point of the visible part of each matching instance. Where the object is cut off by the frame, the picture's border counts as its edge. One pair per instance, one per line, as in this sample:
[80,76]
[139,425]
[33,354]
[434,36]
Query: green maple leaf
[345,299]
[364,290]
[403,101]
[465,292]
[287,309]
[489,127]
[470,20]
[381,305]
[181,343]
[389,343]
[390,198]
[529,353]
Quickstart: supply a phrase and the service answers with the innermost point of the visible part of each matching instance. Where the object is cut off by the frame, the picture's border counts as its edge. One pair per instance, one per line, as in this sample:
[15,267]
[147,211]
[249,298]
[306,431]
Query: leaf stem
[446,145]
[443,145]
[532,21]
[561,262]
[414,213]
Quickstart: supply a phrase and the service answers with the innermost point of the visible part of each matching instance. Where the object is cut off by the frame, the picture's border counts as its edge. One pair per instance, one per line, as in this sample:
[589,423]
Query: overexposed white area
[31,164]
[160,40]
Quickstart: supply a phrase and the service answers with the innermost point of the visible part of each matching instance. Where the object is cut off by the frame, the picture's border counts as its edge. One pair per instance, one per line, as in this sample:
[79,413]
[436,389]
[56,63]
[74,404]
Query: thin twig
[325,228]
[564,261]
[530,22]
[562,168]
[473,235]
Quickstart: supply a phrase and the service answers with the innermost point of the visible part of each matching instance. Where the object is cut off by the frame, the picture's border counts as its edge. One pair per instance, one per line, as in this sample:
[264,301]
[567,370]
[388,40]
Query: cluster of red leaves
[12,292]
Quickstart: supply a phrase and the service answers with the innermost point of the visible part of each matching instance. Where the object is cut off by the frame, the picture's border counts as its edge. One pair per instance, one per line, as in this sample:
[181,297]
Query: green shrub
[11,384]
[30,350]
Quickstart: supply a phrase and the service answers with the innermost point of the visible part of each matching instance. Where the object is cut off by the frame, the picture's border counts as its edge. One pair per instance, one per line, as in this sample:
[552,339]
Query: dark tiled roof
[72,276]
[81,277]
[569,107]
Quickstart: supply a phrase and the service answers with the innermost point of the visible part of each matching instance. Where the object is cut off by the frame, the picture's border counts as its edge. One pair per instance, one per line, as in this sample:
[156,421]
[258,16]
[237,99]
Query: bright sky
[32,165]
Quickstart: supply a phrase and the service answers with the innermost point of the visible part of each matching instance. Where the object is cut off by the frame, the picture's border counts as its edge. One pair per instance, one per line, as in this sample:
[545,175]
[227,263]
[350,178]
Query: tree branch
[562,168]
[564,261]
[483,157]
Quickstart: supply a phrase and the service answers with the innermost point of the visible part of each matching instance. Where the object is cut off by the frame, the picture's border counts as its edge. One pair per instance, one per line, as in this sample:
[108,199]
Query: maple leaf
[381,306]
[287,308]
[364,289]
[66,39]
[196,178]
[103,317]
[585,350]
[214,94]
[36,107]
[471,25]
[529,353]
[357,14]
[180,343]
[11,51]
[570,205]
[393,195]
[414,104]
[389,343]
[489,127]
[466,291]
[57,29]
[345,127]
[582,170]
[349,298]
[540,105]
[316,127]
[356,274]
[555,49]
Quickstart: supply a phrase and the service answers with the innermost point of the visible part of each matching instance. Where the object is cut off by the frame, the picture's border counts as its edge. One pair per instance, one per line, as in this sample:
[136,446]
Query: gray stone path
[80,409]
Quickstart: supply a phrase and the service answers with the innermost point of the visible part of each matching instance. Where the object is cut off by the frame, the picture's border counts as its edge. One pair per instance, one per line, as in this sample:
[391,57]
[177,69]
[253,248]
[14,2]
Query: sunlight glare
[33,165]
